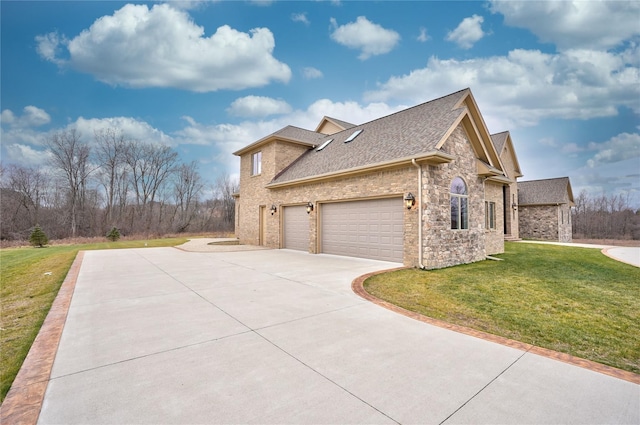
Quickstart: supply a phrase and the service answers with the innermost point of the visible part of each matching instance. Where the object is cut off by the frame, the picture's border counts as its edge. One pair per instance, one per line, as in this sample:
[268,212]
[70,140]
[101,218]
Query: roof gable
[545,192]
[330,125]
[504,146]
[289,134]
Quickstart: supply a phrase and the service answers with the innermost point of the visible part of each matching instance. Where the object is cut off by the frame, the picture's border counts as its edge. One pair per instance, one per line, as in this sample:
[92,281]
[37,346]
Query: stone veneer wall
[565,231]
[442,246]
[539,222]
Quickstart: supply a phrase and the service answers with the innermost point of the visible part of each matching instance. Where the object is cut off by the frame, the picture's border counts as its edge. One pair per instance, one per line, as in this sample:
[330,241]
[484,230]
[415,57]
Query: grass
[31,278]
[571,300]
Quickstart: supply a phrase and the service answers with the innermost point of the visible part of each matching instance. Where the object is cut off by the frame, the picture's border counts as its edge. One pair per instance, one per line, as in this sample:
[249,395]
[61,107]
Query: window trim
[256,163]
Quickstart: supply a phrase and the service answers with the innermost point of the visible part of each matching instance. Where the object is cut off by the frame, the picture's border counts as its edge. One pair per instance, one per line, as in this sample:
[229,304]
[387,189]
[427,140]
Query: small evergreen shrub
[38,238]
[114,234]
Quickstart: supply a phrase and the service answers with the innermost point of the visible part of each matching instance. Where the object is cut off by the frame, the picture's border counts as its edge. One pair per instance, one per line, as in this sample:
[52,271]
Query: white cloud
[130,127]
[258,106]
[574,24]
[468,32]
[371,39]
[622,147]
[162,47]
[311,73]
[423,36]
[526,86]
[26,155]
[300,17]
[32,117]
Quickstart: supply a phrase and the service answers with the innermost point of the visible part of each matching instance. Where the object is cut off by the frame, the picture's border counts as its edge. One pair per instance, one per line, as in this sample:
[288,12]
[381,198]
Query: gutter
[419,167]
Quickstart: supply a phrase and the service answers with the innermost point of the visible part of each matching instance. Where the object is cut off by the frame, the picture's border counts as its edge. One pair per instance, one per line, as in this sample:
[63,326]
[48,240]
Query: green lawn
[571,300]
[27,294]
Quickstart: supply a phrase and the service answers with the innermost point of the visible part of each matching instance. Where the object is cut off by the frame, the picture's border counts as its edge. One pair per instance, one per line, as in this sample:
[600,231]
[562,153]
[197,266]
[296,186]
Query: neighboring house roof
[545,192]
[289,134]
[416,132]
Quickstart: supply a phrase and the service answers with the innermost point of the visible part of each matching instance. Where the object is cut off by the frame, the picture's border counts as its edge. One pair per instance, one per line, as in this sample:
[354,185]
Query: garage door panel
[370,229]
[296,228]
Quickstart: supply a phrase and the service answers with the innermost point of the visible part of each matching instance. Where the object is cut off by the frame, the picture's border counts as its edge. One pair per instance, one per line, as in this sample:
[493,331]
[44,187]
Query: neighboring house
[545,209]
[425,186]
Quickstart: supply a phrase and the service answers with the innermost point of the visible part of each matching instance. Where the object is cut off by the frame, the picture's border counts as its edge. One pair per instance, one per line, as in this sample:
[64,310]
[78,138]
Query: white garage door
[296,228]
[368,229]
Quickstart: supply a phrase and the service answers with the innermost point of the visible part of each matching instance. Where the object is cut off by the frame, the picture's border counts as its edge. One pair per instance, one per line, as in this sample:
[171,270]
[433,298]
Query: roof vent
[353,135]
[324,145]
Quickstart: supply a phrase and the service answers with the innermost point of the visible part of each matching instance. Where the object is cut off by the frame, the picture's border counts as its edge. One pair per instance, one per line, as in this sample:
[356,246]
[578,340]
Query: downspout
[419,167]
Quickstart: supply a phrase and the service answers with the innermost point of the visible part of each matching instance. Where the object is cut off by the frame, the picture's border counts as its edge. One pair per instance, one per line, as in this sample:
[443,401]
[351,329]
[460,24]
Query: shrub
[38,237]
[114,234]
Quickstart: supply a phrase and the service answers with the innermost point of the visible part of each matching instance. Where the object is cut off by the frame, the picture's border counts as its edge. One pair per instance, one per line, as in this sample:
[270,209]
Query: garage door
[296,228]
[367,229]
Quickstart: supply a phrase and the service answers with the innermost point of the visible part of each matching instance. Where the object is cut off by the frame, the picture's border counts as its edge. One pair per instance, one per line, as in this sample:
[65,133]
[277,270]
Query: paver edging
[24,400]
[358,287]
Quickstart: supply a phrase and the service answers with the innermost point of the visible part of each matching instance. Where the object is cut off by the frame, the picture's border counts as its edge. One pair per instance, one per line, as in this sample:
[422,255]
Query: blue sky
[211,77]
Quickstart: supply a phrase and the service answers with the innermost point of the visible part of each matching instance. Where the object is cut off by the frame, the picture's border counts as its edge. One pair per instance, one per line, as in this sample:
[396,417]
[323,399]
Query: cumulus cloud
[422,37]
[258,106]
[32,117]
[162,47]
[370,38]
[574,24]
[131,128]
[468,32]
[26,155]
[311,73]
[526,86]
[300,17]
[619,148]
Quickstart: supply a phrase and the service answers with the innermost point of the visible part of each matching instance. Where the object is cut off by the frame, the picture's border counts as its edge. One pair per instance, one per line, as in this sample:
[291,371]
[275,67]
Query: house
[545,209]
[427,187]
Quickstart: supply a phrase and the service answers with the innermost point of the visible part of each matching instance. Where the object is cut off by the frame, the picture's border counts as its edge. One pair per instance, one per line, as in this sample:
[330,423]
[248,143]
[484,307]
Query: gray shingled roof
[297,133]
[499,140]
[545,192]
[404,134]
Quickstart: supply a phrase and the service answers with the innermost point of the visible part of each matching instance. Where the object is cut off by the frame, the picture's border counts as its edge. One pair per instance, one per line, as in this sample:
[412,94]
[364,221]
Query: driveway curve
[160,335]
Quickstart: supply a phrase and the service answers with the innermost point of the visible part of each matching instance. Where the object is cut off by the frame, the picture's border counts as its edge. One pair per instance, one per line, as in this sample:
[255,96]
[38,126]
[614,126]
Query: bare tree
[30,184]
[71,156]
[187,188]
[150,166]
[226,187]
[111,146]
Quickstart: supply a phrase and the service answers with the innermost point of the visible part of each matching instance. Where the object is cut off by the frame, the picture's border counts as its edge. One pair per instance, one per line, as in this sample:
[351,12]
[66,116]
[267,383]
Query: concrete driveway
[274,336]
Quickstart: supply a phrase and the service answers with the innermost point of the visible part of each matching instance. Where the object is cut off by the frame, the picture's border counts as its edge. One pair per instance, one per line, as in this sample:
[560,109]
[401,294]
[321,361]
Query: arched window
[459,204]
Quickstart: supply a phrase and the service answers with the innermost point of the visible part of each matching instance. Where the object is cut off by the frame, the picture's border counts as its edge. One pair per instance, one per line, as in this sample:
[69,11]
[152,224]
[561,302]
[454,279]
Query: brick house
[545,209]
[427,187]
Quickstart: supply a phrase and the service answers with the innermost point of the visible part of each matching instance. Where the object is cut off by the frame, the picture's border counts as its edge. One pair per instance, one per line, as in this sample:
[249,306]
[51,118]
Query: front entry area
[367,229]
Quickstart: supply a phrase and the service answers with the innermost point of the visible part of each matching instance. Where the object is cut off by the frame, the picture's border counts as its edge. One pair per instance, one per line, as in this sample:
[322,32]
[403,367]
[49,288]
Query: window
[256,163]
[459,205]
[489,215]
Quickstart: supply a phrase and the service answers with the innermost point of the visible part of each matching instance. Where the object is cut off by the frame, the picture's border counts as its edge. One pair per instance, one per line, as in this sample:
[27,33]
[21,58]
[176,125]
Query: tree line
[604,217]
[137,187]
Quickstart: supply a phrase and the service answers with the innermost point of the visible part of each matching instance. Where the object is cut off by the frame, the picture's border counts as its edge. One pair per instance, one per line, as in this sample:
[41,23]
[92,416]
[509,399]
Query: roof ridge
[539,180]
[405,110]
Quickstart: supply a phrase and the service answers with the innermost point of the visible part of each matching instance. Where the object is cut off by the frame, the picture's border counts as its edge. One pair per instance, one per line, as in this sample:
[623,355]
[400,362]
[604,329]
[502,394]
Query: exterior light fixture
[309,207]
[273,209]
[409,200]
[514,206]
